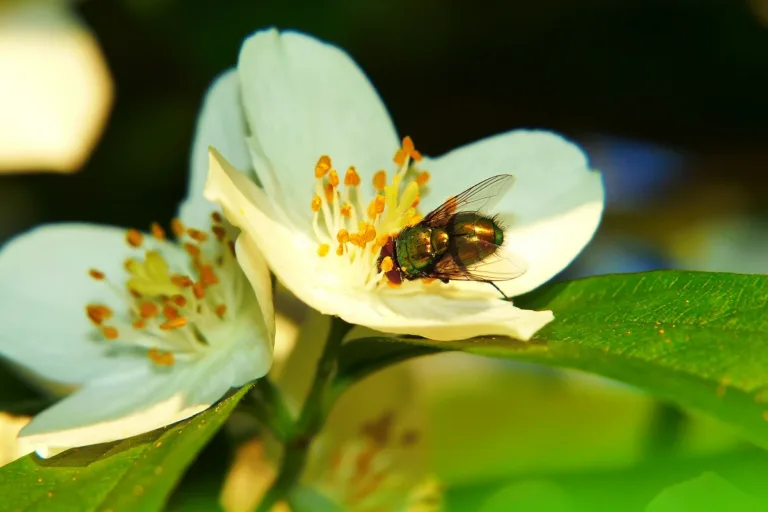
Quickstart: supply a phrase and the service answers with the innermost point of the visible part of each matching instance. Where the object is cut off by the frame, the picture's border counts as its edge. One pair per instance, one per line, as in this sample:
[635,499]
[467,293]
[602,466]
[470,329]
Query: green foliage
[134,474]
[706,492]
[696,339]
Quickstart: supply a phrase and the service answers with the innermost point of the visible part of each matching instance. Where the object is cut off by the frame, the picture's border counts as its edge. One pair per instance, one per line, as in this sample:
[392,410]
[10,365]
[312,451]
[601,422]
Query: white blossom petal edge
[157,333]
[319,138]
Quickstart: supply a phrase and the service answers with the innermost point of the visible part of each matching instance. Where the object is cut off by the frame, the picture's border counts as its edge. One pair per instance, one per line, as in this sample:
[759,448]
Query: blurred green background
[667,96]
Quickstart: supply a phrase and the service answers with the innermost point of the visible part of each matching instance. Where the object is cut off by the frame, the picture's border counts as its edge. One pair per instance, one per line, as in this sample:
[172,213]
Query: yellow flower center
[358,232]
[171,312]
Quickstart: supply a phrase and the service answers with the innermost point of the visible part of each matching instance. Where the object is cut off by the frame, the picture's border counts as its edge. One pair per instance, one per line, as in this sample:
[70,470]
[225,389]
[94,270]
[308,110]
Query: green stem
[309,422]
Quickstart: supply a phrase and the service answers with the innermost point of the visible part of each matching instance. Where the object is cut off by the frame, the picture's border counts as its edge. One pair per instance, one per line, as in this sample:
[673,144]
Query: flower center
[373,471]
[358,233]
[174,309]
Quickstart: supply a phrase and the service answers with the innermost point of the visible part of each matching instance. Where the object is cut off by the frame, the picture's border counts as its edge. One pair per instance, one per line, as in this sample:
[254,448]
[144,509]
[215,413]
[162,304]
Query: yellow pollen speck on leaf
[333,178]
[157,231]
[323,250]
[174,323]
[317,203]
[134,238]
[351,178]
[96,274]
[346,211]
[323,166]
[160,358]
[422,178]
[109,332]
[177,227]
[380,180]
[387,264]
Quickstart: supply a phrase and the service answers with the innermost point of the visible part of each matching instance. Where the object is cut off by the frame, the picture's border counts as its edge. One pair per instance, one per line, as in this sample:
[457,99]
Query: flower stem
[310,420]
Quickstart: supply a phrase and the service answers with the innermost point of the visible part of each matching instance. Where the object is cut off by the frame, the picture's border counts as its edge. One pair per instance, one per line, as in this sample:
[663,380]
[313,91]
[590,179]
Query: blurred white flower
[55,88]
[295,110]
[10,448]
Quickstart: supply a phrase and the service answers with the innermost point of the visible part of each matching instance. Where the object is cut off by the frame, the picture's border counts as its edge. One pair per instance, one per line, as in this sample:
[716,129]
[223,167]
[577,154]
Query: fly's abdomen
[474,237]
[415,253]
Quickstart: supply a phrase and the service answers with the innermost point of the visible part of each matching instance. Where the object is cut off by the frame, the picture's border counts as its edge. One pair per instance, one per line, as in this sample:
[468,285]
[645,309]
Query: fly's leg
[508,299]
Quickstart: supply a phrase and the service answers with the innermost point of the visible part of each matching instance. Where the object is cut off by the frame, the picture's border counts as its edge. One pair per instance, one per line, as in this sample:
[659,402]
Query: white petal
[221,124]
[126,404]
[255,268]
[44,285]
[552,210]
[443,317]
[304,99]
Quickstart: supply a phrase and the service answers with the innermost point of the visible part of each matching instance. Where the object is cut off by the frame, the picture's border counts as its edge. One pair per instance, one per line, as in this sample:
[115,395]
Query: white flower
[318,137]
[157,332]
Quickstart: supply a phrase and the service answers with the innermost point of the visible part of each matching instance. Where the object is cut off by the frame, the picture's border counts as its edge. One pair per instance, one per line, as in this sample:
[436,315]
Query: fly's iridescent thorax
[418,248]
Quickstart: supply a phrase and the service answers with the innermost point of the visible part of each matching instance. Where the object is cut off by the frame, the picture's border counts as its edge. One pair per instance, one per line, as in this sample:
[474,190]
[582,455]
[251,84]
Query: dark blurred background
[668,97]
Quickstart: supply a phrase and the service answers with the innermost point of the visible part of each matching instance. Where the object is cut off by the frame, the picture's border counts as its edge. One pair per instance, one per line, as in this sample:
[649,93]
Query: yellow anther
[197,235]
[416,202]
[317,203]
[346,210]
[408,149]
[181,281]
[369,235]
[160,358]
[379,202]
[408,144]
[219,232]
[192,249]
[174,323]
[340,250]
[157,231]
[351,178]
[382,240]
[333,178]
[179,300]
[177,227]
[110,333]
[96,274]
[216,217]
[323,250]
[387,264]
[393,285]
[328,189]
[198,290]
[221,310]
[323,166]
[139,324]
[170,313]
[207,275]
[422,178]
[98,313]
[380,180]
[342,236]
[134,238]
[148,310]
[356,239]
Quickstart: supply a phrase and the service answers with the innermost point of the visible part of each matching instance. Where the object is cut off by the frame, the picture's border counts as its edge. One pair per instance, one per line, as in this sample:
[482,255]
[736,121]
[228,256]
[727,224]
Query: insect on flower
[456,241]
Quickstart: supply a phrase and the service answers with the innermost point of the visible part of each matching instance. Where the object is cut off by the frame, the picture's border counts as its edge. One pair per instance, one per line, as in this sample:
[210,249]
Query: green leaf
[707,492]
[134,474]
[697,339]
